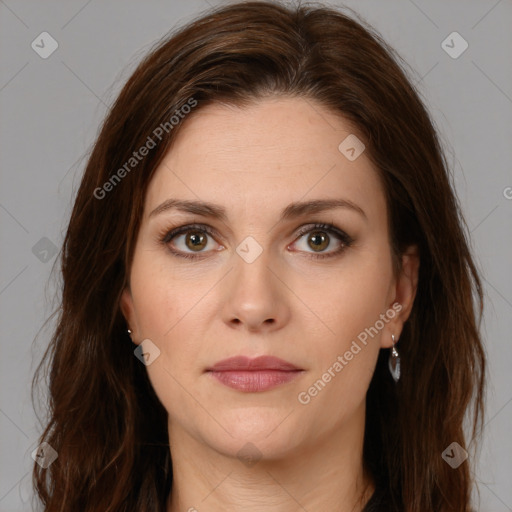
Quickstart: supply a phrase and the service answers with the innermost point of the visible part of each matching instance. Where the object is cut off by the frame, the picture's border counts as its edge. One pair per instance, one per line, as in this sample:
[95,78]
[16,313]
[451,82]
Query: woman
[267,214]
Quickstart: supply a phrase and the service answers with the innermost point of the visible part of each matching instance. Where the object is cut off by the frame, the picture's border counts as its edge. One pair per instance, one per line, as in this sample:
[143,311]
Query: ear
[128,310]
[403,292]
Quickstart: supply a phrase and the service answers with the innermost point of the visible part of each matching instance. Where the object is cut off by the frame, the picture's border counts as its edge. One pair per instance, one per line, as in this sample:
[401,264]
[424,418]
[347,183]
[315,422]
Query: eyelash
[345,239]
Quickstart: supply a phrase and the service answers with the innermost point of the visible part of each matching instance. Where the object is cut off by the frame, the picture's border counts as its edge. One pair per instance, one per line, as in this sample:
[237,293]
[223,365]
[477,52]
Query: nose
[257,295]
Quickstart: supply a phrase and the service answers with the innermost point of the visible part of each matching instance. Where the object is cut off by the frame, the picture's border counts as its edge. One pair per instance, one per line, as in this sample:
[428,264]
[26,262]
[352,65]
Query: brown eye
[190,241]
[196,240]
[322,241]
[318,240]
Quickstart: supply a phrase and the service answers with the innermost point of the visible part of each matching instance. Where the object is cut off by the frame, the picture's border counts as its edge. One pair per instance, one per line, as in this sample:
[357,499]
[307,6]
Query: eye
[189,240]
[320,239]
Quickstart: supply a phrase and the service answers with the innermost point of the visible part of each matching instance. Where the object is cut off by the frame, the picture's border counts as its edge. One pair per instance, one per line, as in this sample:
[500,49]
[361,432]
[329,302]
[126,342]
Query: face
[313,286]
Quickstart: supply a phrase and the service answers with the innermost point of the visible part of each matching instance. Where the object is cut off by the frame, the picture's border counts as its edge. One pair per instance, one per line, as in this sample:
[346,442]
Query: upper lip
[248,364]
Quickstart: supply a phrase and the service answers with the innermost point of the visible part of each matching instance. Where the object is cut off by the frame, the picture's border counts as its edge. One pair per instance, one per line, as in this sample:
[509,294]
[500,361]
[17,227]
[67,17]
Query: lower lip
[255,380]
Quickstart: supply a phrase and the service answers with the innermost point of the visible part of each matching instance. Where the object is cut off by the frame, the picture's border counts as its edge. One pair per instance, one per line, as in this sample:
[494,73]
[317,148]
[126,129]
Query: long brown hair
[104,420]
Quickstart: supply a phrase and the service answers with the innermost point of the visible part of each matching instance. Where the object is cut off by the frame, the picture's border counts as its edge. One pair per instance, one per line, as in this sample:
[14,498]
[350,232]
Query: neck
[327,474]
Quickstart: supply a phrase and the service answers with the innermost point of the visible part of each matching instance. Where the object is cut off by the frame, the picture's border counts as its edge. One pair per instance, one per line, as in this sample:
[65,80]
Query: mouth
[254,375]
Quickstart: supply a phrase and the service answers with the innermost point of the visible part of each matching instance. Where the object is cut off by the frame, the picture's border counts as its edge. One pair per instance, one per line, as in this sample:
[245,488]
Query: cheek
[169,308]
[164,306]
[352,298]
[161,296]
[350,304]
[346,353]
[336,304]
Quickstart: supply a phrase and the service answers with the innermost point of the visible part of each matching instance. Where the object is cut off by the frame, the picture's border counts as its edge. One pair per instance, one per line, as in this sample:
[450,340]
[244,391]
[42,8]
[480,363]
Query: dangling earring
[394,361]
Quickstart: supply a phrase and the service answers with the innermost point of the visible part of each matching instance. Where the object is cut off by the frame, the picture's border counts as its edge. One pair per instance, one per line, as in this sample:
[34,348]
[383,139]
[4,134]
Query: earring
[394,361]
[129,332]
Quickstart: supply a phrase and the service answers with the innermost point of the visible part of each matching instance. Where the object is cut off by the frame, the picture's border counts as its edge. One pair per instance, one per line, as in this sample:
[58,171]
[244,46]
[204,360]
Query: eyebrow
[292,211]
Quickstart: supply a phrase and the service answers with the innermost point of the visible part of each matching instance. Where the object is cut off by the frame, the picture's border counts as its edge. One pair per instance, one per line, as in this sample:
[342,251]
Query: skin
[254,162]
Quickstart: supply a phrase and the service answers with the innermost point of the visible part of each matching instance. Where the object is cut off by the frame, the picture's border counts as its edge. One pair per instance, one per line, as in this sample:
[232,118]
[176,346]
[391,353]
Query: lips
[254,375]
[242,363]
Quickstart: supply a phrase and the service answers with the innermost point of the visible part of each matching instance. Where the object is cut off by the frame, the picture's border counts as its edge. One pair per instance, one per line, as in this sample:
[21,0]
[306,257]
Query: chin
[256,432]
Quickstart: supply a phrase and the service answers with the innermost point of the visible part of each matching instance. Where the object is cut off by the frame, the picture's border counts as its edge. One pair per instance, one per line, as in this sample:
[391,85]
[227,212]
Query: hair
[104,418]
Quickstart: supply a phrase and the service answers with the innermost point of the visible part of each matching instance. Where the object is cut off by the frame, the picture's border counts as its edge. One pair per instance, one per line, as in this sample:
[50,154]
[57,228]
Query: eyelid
[169,234]
[344,238]
[322,226]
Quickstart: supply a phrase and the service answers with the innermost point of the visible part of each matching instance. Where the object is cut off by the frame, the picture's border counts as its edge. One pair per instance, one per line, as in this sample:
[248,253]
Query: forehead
[271,153]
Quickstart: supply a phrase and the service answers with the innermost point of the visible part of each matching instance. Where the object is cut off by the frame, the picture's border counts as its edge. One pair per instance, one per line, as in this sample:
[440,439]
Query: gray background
[50,113]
